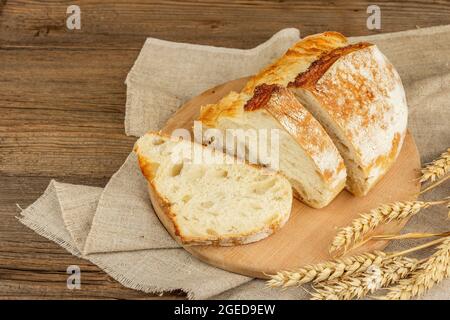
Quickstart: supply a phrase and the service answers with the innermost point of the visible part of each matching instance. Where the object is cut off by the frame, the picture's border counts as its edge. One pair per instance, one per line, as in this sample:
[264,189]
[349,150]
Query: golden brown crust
[310,77]
[229,106]
[280,72]
[296,59]
[263,93]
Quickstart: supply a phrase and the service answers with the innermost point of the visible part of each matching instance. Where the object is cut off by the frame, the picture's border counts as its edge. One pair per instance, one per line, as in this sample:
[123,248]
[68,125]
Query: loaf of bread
[203,196]
[352,90]
[307,156]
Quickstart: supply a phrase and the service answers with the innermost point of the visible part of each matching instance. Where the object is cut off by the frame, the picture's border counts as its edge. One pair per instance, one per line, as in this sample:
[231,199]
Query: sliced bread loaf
[307,155]
[356,95]
[207,197]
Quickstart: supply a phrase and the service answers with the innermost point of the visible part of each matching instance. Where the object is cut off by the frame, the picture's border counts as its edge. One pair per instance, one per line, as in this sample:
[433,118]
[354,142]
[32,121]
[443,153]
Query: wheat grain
[429,273]
[436,169]
[359,227]
[327,270]
[390,271]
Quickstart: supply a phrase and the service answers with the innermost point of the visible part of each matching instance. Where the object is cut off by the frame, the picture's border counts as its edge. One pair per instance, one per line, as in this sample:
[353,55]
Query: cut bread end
[212,199]
[358,97]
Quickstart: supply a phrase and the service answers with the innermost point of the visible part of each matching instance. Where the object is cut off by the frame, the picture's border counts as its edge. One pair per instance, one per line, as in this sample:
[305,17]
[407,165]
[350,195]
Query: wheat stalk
[354,233]
[436,169]
[390,271]
[351,277]
[326,270]
[448,207]
[410,235]
[429,273]
[434,185]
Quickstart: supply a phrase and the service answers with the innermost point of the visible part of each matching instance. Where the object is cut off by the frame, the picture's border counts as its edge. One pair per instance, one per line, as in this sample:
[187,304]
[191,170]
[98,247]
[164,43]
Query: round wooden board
[306,237]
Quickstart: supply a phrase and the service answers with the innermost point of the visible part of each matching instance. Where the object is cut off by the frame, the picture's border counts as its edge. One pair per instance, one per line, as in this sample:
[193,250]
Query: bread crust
[296,60]
[167,218]
[229,106]
[311,76]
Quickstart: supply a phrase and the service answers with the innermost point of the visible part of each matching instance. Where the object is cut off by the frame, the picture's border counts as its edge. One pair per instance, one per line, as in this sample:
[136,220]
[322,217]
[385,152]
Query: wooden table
[62,98]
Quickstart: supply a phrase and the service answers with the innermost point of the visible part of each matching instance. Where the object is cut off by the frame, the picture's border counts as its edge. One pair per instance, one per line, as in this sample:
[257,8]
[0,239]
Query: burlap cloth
[115,227]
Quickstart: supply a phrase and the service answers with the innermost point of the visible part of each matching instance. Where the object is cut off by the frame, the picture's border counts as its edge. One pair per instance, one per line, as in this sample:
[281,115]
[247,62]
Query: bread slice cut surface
[209,198]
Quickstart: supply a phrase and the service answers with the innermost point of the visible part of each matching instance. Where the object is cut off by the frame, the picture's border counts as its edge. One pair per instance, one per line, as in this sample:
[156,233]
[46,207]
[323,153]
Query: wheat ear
[429,273]
[390,271]
[326,270]
[354,233]
[436,169]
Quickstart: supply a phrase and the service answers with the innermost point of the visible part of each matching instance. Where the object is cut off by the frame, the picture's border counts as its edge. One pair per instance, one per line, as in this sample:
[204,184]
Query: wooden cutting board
[307,235]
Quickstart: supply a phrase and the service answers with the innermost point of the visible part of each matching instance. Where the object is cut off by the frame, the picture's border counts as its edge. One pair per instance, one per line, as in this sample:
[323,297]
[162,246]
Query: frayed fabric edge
[127,282]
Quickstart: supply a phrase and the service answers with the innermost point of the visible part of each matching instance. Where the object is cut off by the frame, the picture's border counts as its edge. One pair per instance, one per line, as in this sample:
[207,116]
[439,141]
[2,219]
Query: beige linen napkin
[167,74]
[114,227]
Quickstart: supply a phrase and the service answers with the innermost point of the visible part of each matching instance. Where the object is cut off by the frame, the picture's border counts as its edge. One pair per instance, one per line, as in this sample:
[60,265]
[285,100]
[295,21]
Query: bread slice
[358,96]
[306,155]
[208,197]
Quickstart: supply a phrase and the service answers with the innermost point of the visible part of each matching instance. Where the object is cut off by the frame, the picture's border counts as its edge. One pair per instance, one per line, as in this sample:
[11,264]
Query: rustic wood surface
[62,101]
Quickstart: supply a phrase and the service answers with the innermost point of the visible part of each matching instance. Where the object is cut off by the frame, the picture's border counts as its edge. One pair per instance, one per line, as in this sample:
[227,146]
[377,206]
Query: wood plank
[67,118]
[121,24]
